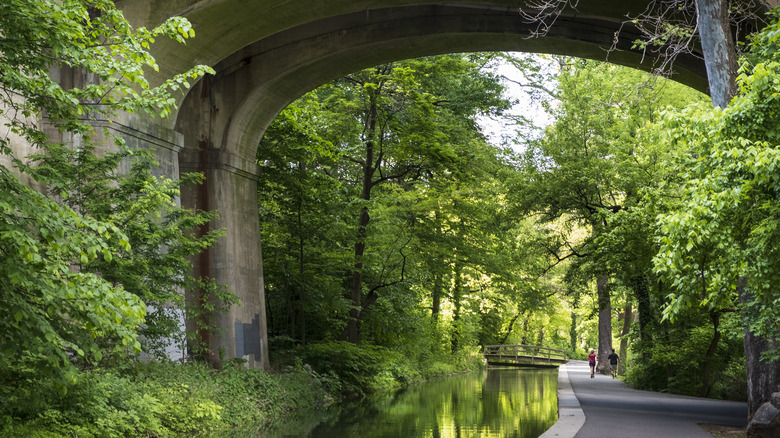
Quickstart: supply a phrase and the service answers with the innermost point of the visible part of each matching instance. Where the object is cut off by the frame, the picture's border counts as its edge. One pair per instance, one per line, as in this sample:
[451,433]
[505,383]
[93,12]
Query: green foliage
[53,311]
[304,226]
[50,311]
[675,364]
[724,232]
[360,368]
[157,399]
[84,35]
[436,196]
[156,266]
[598,181]
[586,174]
[347,369]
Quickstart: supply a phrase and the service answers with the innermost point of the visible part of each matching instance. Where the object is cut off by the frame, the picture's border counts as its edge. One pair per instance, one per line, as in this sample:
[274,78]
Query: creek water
[498,402]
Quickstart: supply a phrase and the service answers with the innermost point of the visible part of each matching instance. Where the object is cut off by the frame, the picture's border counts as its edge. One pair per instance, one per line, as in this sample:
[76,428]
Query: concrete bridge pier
[235,260]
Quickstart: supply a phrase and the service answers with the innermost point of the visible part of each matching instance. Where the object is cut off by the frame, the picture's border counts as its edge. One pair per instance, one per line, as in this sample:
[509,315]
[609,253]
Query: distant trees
[591,166]
[471,244]
[390,163]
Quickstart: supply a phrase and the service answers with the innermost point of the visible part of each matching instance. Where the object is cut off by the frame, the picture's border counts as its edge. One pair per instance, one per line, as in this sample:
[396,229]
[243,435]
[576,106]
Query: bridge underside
[269,52]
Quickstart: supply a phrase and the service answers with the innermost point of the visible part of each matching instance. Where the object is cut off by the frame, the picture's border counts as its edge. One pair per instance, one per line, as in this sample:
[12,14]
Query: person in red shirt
[592,362]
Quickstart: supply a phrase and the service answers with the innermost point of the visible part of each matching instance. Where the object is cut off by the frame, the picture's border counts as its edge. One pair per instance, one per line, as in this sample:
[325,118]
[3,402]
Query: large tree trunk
[301,270]
[763,378]
[573,332]
[720,56]
[295,293]
[605,324]
[356,289]
[436,293]
[721,62]
[292,324]
[438,280]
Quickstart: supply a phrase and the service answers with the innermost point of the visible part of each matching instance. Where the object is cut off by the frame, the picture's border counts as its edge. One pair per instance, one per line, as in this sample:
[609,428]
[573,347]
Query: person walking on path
[613,363]
[592,362]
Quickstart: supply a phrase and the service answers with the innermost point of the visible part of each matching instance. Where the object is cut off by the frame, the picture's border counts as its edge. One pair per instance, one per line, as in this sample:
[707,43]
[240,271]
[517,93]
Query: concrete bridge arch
[266,53]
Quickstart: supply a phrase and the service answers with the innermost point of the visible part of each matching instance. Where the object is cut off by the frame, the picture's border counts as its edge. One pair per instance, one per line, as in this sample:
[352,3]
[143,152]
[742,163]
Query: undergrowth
[156,400]
[164,399]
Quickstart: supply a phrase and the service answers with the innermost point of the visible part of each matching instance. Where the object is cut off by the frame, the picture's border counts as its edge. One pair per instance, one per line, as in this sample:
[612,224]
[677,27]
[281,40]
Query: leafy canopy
[726,230]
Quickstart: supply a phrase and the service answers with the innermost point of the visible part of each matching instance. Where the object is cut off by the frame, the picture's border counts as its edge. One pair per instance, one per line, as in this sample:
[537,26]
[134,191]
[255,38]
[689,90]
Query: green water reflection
[495,403]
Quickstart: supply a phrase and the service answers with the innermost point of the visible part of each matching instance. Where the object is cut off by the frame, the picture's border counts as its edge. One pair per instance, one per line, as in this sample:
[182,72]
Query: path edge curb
[570,415]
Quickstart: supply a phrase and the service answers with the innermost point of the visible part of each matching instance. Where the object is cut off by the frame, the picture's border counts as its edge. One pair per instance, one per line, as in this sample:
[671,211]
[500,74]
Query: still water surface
[500,402]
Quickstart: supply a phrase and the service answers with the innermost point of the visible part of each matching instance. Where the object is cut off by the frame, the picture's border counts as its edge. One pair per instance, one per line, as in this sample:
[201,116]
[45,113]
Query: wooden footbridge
[524,355]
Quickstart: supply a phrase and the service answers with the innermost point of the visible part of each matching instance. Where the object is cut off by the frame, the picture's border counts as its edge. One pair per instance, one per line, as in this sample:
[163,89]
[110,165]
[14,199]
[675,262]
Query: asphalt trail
[614,410]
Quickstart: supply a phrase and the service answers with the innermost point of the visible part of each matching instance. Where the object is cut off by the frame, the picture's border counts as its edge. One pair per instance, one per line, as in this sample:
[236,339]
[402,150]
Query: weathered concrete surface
[269,52]
[235,260]
[225,27]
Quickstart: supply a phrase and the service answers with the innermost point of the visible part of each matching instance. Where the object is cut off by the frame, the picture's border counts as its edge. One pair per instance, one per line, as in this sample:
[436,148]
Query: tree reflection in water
[501,402]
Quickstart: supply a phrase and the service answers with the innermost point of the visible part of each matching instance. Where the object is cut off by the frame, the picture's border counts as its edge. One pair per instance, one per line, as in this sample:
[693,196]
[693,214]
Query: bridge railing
[533,353]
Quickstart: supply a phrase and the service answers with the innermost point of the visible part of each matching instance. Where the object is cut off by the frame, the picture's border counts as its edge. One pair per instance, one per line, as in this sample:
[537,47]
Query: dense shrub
[677,364]
[360,368]
[157,399]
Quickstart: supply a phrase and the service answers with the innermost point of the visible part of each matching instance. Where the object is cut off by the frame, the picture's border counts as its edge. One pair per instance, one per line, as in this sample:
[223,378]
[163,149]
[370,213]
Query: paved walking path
[603,406]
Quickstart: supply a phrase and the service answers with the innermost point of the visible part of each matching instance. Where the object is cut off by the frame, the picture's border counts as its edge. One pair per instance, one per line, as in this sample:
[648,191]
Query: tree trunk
[605,324]
[669,368]
[456,297]
[706,369]
[628,315]
[356,289]
[352,332]
[524,339]
[436,293]
[438,278]
[573,332]
[763,378]
[642,293]
[301,270]
[291,323]
[720,56]
[509,329]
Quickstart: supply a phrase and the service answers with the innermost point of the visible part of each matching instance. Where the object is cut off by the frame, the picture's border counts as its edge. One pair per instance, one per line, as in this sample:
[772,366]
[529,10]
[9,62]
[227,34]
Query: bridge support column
[235,260]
